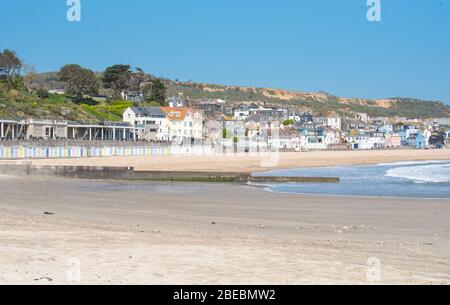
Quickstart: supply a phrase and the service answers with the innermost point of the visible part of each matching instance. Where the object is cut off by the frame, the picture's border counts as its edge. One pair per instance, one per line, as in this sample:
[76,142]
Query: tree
[10,66]
[289,122]
[156,91]
[117,77]
[78,81]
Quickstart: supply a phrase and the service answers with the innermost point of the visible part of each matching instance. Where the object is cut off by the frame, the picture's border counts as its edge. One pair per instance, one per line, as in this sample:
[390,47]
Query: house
[386,129]
[212,132]
[438,140]
[362,117]
[288,138]
[417,140]
[321,120]
[313,138]
[393,140]
[427,133]
[184,125]
[177,101]
[137,97]
[294,116]
[406,131]
[153,119]
[242,112]
[366,141]
[349,124]
[334,121]
[306,118]
[211,109]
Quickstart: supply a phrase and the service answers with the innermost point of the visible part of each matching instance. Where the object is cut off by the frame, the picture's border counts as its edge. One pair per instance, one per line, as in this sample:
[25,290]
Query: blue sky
[308,45]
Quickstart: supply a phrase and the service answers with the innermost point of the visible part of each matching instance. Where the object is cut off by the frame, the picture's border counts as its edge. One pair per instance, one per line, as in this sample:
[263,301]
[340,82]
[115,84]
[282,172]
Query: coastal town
[246,126]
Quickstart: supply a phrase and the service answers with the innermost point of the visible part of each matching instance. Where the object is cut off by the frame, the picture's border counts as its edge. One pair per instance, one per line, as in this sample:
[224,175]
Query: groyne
[130,174]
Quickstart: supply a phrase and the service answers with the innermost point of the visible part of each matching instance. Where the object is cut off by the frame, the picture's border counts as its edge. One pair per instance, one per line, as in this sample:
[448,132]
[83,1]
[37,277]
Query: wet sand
[141,233]
[256,162]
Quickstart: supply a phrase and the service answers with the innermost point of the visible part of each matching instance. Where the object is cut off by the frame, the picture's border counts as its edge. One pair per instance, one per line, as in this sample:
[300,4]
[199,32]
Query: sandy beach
[141,233]
[256,162]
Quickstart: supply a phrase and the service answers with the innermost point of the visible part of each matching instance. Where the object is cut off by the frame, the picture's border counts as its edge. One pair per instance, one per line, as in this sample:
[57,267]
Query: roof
[176,113]
[333,115]
[148,111]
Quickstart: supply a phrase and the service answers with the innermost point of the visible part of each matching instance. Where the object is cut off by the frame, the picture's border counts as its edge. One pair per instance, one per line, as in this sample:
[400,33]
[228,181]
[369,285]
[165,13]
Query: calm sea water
[429,179]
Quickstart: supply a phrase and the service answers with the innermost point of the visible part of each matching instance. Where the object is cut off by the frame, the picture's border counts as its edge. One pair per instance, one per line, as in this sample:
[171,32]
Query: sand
[137,233]
[256,162]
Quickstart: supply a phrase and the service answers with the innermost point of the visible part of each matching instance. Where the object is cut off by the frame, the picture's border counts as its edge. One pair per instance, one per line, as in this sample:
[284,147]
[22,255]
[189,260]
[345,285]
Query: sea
[426,179]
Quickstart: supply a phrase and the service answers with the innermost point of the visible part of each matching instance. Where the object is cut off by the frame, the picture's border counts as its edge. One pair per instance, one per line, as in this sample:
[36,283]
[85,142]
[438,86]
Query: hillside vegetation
[316,102]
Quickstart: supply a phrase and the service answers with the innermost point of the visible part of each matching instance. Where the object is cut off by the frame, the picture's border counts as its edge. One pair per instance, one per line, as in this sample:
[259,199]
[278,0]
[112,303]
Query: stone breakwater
[130,174]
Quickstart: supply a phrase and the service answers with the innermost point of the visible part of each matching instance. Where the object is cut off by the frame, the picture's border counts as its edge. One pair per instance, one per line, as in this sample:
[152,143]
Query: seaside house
[427,133]
[133,96]
[364,117]
[393,140]
[211,109]
[313,137]
[212,132]
[349,124]
[334,121]
[184,125]
[438,140]
[385,129]
[288,138]
[152,119]
[364,141]
[417,140]
[177,101]
[294,116]
[306,118]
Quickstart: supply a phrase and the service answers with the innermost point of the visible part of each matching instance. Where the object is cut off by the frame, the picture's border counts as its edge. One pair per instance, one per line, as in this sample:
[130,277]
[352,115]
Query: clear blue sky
[308,45]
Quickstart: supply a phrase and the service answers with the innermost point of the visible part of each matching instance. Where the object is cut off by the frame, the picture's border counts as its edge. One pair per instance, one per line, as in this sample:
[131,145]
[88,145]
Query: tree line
[80,82]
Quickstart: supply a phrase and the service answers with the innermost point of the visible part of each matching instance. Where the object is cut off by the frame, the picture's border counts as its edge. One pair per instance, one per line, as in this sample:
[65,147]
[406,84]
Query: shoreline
[250,163]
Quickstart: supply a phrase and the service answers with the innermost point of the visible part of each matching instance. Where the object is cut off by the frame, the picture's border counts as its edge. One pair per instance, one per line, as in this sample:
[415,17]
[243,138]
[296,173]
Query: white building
[366,142]
[153,119]
[334,121]
[184,125]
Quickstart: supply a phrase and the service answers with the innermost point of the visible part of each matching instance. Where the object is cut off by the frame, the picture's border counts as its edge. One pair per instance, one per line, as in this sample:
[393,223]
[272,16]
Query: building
[184,125]
[46,130]
[288,138]
[212,132]
[177,101]
[306,118]
[334,121]
[364,141]
[393,140]
[417,140]
[313,138]
[135,96]
[152,119]
[363,117]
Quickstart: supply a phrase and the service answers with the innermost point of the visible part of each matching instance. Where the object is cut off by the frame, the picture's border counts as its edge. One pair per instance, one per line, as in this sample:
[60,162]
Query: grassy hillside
[20,103]
[316,102]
